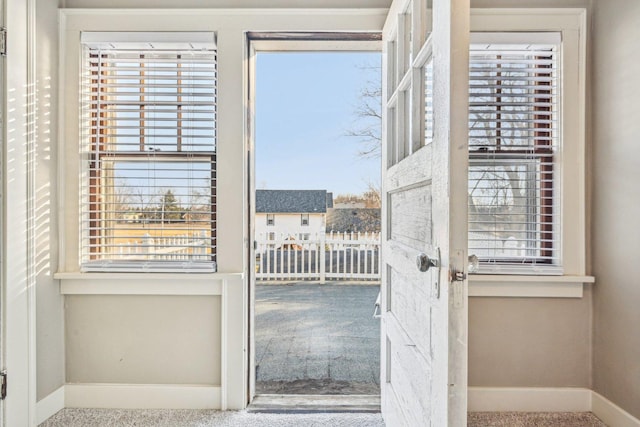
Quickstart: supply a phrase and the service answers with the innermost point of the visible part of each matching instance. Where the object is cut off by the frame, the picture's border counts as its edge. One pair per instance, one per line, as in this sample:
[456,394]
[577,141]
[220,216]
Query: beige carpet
[200,418]
[533,419]
[195,418]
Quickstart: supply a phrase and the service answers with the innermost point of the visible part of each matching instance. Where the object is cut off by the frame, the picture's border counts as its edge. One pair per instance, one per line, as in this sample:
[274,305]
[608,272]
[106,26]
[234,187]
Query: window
[304,219]
[148,150]
[513,140]
[271,236]
[271,219]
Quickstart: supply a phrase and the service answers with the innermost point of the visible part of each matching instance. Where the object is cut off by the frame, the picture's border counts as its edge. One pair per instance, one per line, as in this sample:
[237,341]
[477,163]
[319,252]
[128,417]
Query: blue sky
[305,103]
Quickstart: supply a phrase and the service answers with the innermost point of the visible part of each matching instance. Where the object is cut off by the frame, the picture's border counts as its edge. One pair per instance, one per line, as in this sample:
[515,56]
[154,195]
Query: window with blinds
[513,140]
[148,152]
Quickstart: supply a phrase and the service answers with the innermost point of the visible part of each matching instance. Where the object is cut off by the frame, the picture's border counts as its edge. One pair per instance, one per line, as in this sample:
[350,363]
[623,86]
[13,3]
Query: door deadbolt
[424,263]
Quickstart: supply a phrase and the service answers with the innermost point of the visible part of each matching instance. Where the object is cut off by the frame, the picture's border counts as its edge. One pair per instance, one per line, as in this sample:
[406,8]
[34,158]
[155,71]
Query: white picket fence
[320,257]
[180,247]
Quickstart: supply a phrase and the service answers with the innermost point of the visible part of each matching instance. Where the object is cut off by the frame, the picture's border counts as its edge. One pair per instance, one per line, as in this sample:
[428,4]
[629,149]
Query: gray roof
[291,201]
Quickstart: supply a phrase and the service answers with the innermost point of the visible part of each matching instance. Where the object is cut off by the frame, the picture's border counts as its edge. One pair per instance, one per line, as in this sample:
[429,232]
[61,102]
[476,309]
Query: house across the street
[298,214]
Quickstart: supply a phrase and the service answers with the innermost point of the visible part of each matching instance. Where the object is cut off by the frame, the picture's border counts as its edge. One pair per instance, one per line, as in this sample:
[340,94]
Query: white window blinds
[148,151]
[513,142]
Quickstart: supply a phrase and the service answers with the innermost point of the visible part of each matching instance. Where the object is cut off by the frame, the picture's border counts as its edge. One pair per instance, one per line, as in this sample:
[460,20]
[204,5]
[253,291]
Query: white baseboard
[142,396]
[49,405]
[480,399]
[529,399]
[610,413]
[534,399]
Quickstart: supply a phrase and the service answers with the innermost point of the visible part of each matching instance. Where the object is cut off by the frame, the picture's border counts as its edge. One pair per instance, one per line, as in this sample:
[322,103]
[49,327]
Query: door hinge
[3,41]
[3,386]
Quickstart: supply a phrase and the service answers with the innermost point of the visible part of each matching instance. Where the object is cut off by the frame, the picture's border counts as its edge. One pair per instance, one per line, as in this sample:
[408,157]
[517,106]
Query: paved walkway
[317,339]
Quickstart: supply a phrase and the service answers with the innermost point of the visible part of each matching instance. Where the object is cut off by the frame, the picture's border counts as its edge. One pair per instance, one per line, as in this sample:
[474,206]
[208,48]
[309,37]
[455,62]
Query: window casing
[304,219]
[148,153]
[271,219]
[513,140]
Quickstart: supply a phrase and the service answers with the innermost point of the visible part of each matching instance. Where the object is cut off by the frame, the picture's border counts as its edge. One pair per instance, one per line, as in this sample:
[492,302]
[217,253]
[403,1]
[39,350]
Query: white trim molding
[18,99]
[610,413]
[481,399]
[483,285]
[291,11]
[529,399]
[142,396]
[144,283]
[542,399]
[50,405]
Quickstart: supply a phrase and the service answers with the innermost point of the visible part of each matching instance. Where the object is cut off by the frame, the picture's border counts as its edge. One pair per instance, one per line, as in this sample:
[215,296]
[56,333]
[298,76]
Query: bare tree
[507,186]
[367,125]
[370,198]
[121,198]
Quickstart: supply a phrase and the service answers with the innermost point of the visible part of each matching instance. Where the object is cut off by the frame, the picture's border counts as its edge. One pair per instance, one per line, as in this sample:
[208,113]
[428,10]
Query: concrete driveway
[317,339]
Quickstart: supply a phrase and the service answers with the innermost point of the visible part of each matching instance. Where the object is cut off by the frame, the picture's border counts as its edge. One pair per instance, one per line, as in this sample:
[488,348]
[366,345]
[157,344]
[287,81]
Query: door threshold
[314,403]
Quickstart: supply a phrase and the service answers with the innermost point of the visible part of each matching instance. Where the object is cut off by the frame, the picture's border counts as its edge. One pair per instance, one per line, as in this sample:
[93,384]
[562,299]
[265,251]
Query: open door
[424,287]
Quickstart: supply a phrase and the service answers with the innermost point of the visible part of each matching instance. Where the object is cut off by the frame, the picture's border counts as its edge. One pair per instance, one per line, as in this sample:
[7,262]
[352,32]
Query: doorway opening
[315,220]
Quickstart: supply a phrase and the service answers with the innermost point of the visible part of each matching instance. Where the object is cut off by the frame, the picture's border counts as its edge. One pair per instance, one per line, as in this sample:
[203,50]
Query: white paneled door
[424,322]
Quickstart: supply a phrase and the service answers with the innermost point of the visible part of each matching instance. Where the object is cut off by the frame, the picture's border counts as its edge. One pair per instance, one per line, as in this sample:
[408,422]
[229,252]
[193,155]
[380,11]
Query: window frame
[570,157]
[542,212]
[304,220]
[100,148]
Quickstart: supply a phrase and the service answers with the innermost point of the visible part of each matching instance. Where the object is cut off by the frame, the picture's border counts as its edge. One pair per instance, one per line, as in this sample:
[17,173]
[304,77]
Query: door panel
[404,385]
[409,298]
[410,215]
[423,369]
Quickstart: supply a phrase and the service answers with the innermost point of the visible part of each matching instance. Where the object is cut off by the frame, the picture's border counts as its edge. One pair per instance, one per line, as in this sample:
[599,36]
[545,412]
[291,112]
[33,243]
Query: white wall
[530,342]
[50,304]
[18,228]
[111,339]
[289,224]
[616,202]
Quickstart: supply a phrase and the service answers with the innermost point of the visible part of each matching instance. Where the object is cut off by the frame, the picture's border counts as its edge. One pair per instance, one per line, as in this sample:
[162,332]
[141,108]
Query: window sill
[145,283]
[481,285]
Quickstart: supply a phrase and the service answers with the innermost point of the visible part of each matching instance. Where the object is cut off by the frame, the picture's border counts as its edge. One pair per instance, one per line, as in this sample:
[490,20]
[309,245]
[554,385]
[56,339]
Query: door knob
[424,263]
[472,267]
[474,264]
